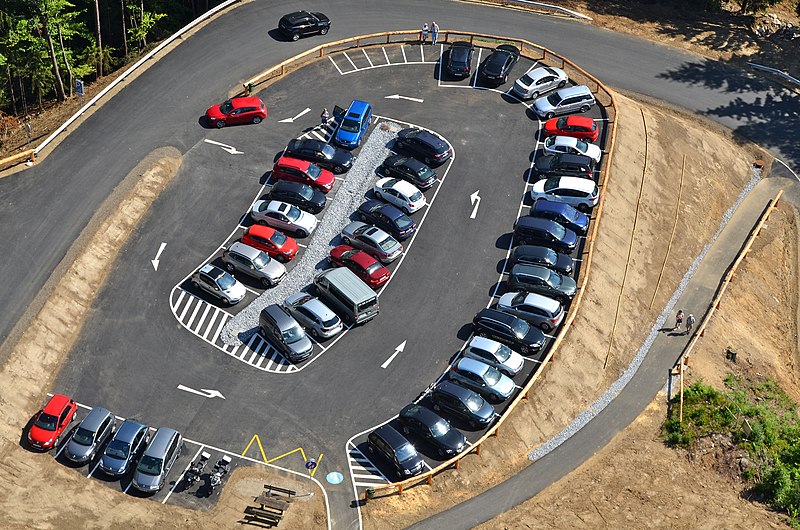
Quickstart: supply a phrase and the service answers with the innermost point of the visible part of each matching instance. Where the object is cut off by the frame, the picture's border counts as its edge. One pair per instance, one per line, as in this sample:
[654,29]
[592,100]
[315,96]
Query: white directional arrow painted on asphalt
[202,392]
[160,250]
[229,148]
[397,350]
[476,201]
[290,120]
[398,96]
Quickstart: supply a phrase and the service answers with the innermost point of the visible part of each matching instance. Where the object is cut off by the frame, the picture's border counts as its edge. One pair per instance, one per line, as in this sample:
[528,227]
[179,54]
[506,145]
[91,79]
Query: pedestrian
[689,323]
[678,320]
[424,33]
[434,32]
[325,117]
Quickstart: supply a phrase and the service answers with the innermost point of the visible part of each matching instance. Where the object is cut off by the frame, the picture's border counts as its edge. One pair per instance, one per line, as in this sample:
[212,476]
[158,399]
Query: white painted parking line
[318,135]
[261,360]
[130,483]
[549,336]
[427,465]
[61,449]
[577,259]
[302,245]
[355,68]
[219,330]
[403,49]
[94,469]
[252,291]
[386,56]
[517,386]
[335,65]
[422,52]
[475,75]
[202,318]
[368,59]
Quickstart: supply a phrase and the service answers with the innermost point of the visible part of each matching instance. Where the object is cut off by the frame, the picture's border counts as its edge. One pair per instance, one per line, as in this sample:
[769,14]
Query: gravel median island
[349,196]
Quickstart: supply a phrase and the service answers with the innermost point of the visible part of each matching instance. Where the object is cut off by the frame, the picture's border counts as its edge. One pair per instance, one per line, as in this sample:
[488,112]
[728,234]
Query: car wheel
[220,124]
[195,284]
[338,169]
[295,36]
[584,108]
[230,268]
[549,115]
[545,327]
[266,283]
[583,208]
[405,211]
[302,233]
[323,31]
[534,95]
[256,119]
[436,407]
[562,84]
[346,240]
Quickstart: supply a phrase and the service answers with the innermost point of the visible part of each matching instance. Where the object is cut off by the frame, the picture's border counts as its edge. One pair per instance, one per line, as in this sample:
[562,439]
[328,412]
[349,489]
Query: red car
[237,110]
[362,264]
[304,172]
[51,421]
[579,127]
[276,244]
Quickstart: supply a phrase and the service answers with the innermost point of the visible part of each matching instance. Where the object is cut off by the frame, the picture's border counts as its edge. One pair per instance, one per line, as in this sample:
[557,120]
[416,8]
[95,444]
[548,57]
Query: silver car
[91,434]
[283,216]
[556,145]
[400,193]
[253,262]
[534,308]
[483,379]
[313,315]
[571,99]
[494,354]
[372,240]
[125,448]
[538,80]
[578,192]
[219,283]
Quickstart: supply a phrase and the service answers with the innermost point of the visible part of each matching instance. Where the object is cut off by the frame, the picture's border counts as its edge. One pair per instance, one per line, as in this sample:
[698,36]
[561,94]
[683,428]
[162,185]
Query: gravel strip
[349,196]
[616,387]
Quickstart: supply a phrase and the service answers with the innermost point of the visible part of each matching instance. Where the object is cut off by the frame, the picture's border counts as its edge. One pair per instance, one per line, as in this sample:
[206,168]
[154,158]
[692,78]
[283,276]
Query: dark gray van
[157,460]
[285,333]
[348,295]
[537,231]
[393,447]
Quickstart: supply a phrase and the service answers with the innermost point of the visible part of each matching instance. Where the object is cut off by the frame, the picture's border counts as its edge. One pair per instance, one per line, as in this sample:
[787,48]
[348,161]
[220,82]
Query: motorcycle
[220,470]
[196,469]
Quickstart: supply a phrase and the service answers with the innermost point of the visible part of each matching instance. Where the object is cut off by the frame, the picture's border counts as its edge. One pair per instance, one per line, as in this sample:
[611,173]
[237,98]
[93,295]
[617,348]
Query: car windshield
[551,256]
[474,403]
[554,99]
[313,171]
[503,353]
[559,231]
[328,151]
[406,452]
[293,334]
[439,428]
[417,196]
[424,172]
[520,327]
[561,123]
[387,244]
[226,107]
[118,449]
[403,222]
[555,279]
[46,422]
[261,260]
[225,282]
[278,238]
[331,321]
[83,437]
[581,146]
[293,213]
[306,193]
[517,300]
[551,184]
[149,465]
[492,376]
[575,214]
[526,80]
[349,125]
[375,267]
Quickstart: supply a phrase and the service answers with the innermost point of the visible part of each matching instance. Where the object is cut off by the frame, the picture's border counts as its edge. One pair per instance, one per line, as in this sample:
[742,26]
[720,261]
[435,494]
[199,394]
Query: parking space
[352,61]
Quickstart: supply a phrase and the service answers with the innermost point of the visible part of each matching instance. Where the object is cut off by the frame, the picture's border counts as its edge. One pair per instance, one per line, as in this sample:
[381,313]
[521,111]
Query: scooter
[220,470]
[193,475]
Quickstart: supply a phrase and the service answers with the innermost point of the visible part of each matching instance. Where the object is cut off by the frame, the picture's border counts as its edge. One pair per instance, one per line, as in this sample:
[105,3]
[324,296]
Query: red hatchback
[579,127]
[50,422]
[276,244]
[237,110]
[362,264]
[304,172]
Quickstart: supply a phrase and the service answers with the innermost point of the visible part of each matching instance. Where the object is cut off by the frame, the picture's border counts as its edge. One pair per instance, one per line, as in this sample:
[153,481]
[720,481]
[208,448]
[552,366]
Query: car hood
[568,286]
[593,151]
[505,386]
[542,105]
[342,158]
[307,221]
[301,348]
[78,451]
[113,464]
[145,481]
[453,441]
[535,337]
[570,238]
[485,413]
[514,362]
[505,300]
[274,269]
[544,163]
[41,436]
[564,263]
[214,112]
[346,137]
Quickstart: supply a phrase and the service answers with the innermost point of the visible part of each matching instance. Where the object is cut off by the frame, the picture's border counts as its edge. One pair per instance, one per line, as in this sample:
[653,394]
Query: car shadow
[529,176]
[501,265]
[23,437]
[265,178]
[203,122]
[531,114]
[464,332]
[511,98]
[504,241]
[277,35]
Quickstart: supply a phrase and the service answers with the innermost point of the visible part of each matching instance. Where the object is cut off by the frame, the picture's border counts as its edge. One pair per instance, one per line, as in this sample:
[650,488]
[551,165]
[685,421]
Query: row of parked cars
[122,448]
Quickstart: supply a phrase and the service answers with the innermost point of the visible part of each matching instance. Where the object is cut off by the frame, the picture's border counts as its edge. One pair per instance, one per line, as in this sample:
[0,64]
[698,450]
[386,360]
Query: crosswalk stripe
[234,349]
[210,325]
[194,313]
[219,329]
[180,297]
[318,135]
[188,305]
[202,318]
[261,360]
[375,477]
[252,358]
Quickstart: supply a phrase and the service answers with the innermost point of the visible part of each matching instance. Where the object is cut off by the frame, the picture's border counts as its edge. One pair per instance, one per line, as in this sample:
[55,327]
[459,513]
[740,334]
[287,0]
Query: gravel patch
[616,387]
[349,196]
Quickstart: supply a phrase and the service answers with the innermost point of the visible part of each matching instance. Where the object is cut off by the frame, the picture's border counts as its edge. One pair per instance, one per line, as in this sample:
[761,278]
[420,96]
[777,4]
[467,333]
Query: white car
[219,283]
[314,315]
[538,80]
[283,216]
[566,144]
[401,193]
[494,354]
[578,192]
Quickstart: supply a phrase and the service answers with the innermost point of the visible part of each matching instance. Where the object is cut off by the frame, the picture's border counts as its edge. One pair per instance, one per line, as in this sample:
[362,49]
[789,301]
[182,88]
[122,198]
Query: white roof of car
[402,186]
[565,141]
[575,183]
[532,299]
[482,343]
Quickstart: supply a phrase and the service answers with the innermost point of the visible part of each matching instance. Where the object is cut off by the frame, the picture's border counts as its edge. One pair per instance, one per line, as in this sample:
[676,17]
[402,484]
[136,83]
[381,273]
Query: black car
[423,145]
[537,255]
[459,59]
[498,65]
[508,329]
[409,169]
[530,230]
[462,403]
[322,154]
[433,429]
[303,24]
[564,165]
[398,451]
[541,280]
[388,218]
[298,194]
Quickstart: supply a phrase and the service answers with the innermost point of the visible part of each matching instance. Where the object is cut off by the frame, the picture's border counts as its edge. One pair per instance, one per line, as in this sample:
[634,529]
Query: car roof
[543,205]
[468,364]
[534,250]
[483,343]
[404,187]
[423,414]
[245,250]
[212,270]
[278,206]
[577,183]
[570,91]
[261,231]
[279,316]
[538,223]
[296,143]
[573,158]
[537,300]
[568,141]
[95,417]
[508,48]
[56,404]
[357,107]
[525,269]
[289,185]
[362,258]
[128,429]
[296,163]
[495,314]
[318,308]
[296,15]
[449,387]
[584,121]
[159,442]
[390,435]
[462,43]
[247,101]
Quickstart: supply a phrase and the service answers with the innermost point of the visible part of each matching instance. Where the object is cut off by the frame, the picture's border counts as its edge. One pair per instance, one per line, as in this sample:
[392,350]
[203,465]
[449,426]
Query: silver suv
[313,315]
[283,332]
[219,283]
[253,262]
[571,99]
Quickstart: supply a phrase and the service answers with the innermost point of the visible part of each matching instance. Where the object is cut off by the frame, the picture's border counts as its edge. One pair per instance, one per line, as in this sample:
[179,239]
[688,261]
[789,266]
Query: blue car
[125,448]
[562,213]
[353,124]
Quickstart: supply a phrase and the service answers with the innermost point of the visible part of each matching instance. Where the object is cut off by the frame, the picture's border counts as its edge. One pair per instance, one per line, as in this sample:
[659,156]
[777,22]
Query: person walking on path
[424,33]
[434,32]
[689,323]
[325,117]
[678,320]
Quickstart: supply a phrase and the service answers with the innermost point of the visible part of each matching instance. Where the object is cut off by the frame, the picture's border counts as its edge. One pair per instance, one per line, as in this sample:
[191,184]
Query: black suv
[409,169]
[566,165]
[298,194]
[508,329]
[392,446]
[388,218]
[432,428]
[304,23]
[459,59]
[538,255]
[423,145]
[322,154]
[498,65]
[538,231]
[462,403]
[541,280]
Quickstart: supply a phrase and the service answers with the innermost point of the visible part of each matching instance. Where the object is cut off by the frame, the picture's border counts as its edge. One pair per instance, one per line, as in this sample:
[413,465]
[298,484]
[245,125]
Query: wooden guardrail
[23,156]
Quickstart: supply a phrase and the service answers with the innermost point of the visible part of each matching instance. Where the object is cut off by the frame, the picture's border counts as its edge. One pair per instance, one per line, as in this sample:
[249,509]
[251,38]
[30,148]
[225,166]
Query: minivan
[285,333]
[157,460]
[353,124]
[564,164]
[348,294]
[537,231]
[540,255]
[570,99]
[91,434]
[563,214]
[462,403]
[393,446]
[541,280]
